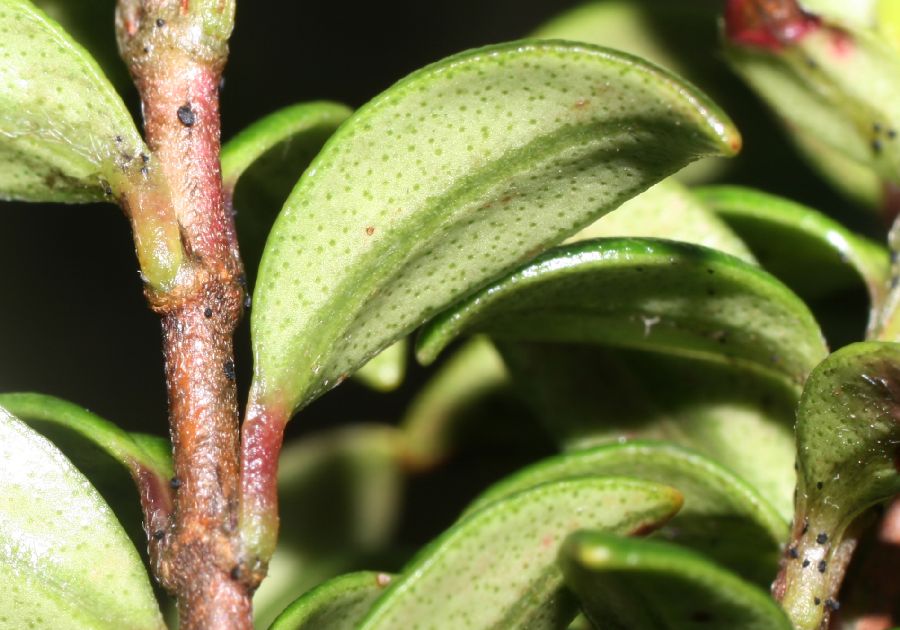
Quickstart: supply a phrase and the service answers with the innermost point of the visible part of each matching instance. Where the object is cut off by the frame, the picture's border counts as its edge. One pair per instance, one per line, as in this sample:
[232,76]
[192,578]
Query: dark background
[74,322]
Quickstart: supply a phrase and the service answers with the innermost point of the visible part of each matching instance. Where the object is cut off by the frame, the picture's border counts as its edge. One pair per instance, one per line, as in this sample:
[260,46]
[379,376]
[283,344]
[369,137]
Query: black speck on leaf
[822,566]
[175,483]
[229,369]
[822,538]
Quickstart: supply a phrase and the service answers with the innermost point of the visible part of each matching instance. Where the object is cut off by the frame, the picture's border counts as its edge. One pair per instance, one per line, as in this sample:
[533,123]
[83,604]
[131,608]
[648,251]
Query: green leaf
[64,560]
[260,166]
[497,569]
[262,163]
[847,436]
[811,253]
[102,452]
[65,134]
[91,24]
[340,494]
[669,297]
[626,584]
[668,210]
[339,604]
[723,516]
[589,396]
[449,178]
[134,451]
[385,371]
[273,152]
[854,180]
[834,84]
[674,35]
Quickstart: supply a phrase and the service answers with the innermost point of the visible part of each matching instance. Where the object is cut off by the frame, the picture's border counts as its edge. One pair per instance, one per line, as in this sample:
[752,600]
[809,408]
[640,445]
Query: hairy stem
[176,51]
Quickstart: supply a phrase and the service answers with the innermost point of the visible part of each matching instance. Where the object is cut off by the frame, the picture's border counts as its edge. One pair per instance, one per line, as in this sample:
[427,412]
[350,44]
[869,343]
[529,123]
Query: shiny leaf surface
[132,451]
[644,293]
[339,604]
[627,583]
[807,250]
[587,396]
[847,437]
[669,210]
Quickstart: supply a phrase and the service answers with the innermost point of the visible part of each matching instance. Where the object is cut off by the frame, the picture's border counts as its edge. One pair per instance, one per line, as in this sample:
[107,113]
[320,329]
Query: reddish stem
[200,557]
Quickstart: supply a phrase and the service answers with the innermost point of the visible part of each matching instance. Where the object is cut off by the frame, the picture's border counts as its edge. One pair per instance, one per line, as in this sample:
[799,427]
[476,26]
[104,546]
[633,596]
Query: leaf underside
[723,517]
[64,559]
[65,134]
[496,568]
[449,178]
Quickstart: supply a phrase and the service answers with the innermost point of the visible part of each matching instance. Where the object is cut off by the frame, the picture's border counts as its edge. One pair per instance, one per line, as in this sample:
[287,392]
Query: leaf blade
[64,552]
[460,582]
[804,248]
[339,604]
[395,240]
[718,506]
[133,452]
[594,296]
[649,584]
[65,134]
[847,431]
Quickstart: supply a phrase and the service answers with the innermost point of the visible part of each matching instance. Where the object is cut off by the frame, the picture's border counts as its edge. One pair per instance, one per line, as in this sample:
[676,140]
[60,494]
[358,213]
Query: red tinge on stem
[771,24]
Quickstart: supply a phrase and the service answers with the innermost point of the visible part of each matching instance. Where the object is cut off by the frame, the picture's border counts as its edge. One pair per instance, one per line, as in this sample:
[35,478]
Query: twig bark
[198,556]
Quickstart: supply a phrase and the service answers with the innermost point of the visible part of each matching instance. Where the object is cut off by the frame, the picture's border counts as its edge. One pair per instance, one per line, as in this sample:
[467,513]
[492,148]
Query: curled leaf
[588,396]
[807,250]
[668,210]
[650,294]
[458,172]
[496,568]
[653,585]
[723,517]
[339,604]
[847,454]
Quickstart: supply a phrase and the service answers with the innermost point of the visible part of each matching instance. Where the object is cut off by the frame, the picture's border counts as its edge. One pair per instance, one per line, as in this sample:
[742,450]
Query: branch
[176,51]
